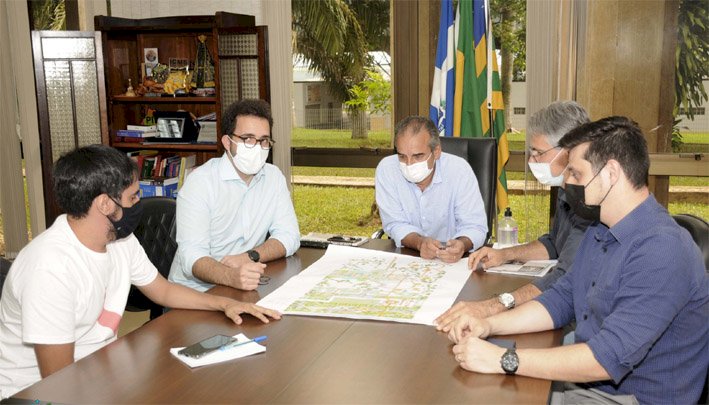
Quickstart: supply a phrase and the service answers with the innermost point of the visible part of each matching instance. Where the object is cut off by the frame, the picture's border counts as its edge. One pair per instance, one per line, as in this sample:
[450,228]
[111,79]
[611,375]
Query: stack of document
[535,268]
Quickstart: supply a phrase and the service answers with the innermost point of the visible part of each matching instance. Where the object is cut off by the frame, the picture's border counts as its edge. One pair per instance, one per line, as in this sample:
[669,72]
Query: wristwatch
[254,256]
[507,300]
[510,362]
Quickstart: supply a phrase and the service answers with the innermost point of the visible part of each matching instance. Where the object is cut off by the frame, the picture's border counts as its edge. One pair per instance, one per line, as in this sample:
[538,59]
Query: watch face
[507,299]
[510,361]
[253,255]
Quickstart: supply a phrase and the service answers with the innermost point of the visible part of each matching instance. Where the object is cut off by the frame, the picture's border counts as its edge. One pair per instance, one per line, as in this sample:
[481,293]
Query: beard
[111,234]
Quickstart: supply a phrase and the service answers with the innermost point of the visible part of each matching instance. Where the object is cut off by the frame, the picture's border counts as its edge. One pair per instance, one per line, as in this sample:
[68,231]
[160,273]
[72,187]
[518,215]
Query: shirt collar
[627,227]
[228,172]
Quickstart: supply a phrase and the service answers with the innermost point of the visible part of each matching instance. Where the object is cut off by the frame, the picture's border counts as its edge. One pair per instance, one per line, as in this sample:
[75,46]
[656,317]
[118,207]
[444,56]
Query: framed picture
[150,60]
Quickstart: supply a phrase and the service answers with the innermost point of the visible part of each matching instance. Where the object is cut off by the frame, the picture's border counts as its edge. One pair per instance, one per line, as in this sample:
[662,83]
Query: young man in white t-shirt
[66,291]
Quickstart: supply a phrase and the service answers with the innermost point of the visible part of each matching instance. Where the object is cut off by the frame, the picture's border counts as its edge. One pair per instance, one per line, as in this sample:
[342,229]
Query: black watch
[254,256]
[510,362]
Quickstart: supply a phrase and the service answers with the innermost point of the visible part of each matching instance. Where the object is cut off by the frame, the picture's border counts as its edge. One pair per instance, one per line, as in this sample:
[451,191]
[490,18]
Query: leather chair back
[156,233]
[4,269]
[481,154]
[699,229]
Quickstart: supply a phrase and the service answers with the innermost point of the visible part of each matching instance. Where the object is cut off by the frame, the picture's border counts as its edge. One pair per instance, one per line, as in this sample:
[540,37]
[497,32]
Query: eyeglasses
[535,154]
[251,141]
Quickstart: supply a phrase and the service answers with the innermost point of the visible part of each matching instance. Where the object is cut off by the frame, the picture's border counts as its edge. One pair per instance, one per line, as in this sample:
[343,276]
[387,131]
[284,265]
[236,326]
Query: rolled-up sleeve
[470,218]
[559,301]
[395,221]
[284,227]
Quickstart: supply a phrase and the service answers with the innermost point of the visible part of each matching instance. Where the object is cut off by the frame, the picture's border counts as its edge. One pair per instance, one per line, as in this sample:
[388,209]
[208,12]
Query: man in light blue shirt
[229,205]
[429,200]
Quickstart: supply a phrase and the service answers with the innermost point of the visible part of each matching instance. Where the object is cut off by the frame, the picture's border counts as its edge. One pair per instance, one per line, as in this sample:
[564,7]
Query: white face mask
[249,160]
[542,171]
[415,173]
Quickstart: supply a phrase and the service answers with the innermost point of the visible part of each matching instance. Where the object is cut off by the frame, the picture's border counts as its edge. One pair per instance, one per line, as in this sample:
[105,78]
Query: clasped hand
[245,273]
[472,351]
[451,252]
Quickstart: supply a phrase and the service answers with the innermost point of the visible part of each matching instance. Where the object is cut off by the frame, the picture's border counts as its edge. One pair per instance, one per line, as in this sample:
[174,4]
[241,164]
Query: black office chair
[481,154]
[699,229]
[156,233]
[4,269]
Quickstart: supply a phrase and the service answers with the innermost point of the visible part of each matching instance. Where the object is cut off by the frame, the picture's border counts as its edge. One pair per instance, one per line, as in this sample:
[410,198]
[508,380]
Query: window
[695,111]
[518,111]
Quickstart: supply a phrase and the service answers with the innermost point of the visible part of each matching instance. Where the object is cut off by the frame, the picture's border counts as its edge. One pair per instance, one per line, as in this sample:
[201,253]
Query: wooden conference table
[309,359]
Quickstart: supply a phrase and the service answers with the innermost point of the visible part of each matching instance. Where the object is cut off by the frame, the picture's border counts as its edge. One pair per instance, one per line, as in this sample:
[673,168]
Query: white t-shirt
[59,291]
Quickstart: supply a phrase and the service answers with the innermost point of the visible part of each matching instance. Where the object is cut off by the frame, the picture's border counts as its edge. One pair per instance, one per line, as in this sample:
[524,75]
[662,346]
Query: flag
[441,110]
[471,115]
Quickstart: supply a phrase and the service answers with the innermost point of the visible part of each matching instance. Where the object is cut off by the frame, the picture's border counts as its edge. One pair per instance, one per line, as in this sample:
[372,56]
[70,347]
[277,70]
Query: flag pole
[488,41]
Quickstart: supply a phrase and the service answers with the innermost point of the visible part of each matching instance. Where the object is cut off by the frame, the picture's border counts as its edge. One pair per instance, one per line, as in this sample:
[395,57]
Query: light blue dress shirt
[450,207]
[219,215]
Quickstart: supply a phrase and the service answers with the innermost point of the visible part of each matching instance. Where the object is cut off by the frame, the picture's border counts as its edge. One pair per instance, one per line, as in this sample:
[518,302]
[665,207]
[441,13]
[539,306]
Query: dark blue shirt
[562,242]
[640,296]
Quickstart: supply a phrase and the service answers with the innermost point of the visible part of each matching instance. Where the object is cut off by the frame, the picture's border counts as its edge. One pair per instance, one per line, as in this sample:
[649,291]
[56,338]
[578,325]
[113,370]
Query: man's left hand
[235,261]
[453,251]
[475,354]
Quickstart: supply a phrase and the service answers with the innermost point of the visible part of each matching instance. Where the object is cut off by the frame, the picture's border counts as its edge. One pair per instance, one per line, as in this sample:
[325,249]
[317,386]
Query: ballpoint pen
[235,344]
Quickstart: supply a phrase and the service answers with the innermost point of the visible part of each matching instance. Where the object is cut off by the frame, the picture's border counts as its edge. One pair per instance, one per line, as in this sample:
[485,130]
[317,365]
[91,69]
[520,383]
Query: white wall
[518,99]
[165,8]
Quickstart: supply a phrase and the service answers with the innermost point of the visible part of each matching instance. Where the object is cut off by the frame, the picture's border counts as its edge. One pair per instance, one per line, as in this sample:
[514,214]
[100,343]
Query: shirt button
[593,284]
[604,250]
[585,317]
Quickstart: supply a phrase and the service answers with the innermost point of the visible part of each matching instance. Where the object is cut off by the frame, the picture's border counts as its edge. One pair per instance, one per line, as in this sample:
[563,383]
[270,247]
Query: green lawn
[347,210]
[338,138]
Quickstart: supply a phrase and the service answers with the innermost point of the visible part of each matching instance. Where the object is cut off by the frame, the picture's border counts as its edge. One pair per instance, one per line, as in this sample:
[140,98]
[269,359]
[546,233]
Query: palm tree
[329,35]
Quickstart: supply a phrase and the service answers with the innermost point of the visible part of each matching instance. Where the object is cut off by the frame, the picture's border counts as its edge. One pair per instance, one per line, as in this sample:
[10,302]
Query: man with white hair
[547,162]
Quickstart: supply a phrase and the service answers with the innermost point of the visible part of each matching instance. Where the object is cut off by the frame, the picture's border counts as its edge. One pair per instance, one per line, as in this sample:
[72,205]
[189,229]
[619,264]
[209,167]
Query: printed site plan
[368,284]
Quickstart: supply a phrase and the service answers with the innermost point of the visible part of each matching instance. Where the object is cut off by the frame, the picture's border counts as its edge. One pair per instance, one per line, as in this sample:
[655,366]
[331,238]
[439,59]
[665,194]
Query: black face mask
[129,221]
[576,197]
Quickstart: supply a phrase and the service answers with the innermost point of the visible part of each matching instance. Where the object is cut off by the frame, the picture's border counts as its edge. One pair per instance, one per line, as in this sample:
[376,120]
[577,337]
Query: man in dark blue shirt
[638,290]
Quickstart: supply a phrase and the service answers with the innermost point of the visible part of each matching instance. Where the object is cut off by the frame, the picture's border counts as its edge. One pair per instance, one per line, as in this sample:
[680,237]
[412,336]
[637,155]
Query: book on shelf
[534,268]
[162,174]
[160,187]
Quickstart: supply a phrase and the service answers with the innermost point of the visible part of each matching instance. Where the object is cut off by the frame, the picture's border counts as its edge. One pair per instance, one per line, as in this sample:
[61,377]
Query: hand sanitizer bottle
[507,230]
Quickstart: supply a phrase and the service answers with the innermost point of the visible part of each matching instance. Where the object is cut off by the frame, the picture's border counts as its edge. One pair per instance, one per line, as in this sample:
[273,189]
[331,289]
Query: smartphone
[206,346]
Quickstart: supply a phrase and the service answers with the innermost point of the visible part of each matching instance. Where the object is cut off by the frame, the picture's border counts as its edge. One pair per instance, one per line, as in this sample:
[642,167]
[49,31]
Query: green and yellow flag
[471,114]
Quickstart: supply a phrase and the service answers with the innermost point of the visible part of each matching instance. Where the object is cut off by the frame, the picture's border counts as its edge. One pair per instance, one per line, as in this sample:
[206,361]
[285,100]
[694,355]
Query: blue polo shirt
[640,295]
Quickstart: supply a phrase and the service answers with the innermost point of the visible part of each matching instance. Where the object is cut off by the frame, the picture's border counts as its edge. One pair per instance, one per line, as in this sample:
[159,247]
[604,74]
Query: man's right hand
[429,248]
[246,276]
[476,309]
[488,256]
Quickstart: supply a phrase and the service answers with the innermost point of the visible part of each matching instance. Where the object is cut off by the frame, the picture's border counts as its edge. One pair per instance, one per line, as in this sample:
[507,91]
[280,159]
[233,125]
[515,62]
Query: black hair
[87,172]
[416,124]
[256,108]
[617,138]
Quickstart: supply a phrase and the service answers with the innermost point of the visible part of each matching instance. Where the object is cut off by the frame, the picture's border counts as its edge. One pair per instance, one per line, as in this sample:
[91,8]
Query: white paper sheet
[358,283]
[219,356]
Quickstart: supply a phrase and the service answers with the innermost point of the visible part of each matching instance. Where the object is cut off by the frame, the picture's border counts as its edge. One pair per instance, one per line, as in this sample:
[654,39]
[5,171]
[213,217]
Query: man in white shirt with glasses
[429,200]
[234,213]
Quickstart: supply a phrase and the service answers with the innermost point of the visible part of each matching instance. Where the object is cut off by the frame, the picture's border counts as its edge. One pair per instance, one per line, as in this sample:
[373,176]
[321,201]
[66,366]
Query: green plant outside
[339,209]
